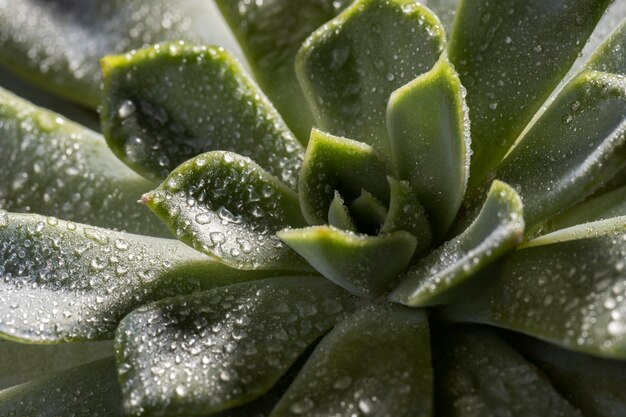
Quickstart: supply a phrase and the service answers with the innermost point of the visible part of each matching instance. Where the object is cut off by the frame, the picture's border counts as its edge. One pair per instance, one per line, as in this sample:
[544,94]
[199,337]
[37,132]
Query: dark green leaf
[429,127]
[567,288]
[576,146]
[362,264]
[368,212]
[63,281]
[510,55]
[270,33]
[339,216]
[87,391]
[349,67]
[225,205]
[333,163]
[480,375]
[170,102]
[440,276]
[211,351]
[376,362]
[52,166]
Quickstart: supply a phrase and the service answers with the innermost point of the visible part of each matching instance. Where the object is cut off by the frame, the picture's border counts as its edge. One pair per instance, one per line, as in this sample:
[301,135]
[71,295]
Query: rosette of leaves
[382,220]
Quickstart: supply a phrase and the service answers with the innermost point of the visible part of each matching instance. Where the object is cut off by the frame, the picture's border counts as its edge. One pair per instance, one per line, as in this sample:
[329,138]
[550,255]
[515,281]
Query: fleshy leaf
[170,102]
[438,277]
[207,352]
[270,33]
[21,363]
[376,362]
[362,264]
[368,213]
[577,282]
[62,281]
[510,56]
[225,205]
[57,44]
[575,147]
[52,166]
[349,67]
[593,385]
[428,126]
[480,375]
[611,55]
[332,164]
[339,216]
[87,391]
[407,213]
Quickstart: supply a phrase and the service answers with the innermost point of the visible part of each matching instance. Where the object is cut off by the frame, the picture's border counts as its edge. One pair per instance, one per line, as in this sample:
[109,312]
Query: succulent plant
[395,215]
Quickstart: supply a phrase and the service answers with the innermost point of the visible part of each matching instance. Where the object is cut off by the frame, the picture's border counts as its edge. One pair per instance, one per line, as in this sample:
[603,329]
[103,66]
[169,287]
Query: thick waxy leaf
[407,213]
[349,67]
[364,265]
[52,166]
[87,391]
[578,283]
[376,362]
[480,375]
[171,102]
[57,43]
[368,212]
[611,55]
[21,363]
[62,281]
[575,146]
[270,33]
[225,205]
[339,216]
[593,385]
[510,56]
[438,278]
[333,163]
[429,127]
[211,351]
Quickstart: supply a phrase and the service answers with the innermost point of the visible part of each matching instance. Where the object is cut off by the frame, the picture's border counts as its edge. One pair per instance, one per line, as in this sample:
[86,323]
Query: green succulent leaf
[428,126]
[593,385]
[270,33]
[208,352]
[86,391]
[576,146]
[510,56]
[339,215]
[439,276]
[333,163]
[368,212]
[610,57]
[63,281]
[576,278]
[376,362]
[362,264]
[170,102]
[227,206]
[52,166]
[407,213]
[480,375]
[21,363]
[350,66]
[57,44]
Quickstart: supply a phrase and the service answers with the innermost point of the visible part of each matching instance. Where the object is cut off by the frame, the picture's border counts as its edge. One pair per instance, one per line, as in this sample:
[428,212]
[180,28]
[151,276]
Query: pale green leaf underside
[376,361]
[90,390]
[364,265]
[578,284]
[57,44]
[436,279]
[428,126]
[480,375]
[510,56]
[350,66]
[51,166]
[270,34]
[225,205]
[168,103]
[63,281]
[203,353]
